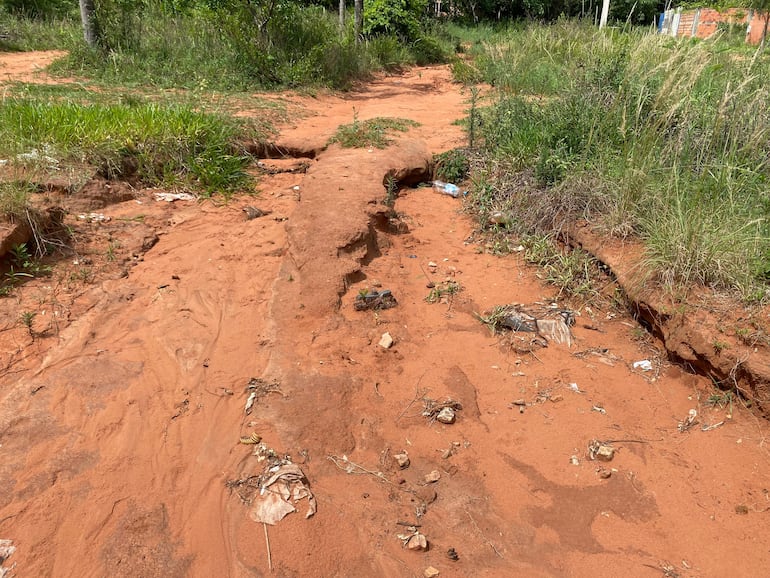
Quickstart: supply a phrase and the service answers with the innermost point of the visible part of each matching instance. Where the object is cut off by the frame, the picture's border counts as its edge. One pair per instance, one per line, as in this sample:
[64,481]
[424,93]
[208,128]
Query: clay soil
[122,406]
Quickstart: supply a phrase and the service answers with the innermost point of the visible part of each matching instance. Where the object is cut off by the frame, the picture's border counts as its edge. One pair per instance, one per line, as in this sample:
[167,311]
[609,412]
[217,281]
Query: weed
[719,346]
[443,289]
[370,133]
[391,191]
[451,166]
[722,400]
[27,319]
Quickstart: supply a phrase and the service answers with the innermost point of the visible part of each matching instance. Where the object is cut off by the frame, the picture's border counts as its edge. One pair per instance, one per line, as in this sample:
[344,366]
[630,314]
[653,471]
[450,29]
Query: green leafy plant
[374,132]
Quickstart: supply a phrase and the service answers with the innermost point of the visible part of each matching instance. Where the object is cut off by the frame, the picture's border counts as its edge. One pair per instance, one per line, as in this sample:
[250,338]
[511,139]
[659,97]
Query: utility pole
[605,13]
[342,14]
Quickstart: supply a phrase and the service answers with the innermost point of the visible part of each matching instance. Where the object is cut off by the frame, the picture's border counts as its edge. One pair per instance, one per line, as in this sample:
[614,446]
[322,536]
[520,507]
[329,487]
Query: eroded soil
[121,407]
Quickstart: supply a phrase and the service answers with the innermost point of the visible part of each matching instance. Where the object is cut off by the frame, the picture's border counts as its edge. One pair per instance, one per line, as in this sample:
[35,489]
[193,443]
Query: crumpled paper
[287,484]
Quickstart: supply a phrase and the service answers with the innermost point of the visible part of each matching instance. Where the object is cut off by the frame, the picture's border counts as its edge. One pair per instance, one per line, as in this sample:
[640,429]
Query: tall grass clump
[646,135]
[171,144]
[237,45]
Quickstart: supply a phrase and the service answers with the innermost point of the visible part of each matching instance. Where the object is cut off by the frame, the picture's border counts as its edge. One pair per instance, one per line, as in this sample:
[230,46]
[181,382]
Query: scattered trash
[644,365]
[574,387]
[414,540]
[452,554]
[709,427]
[254,212]
[94,218]
[688,422]
[402,460]
[3,162]
[279,486]
[432,477]
[386,341]
[443,411]
[171,197]
[548,322]
[6,551]
[250,402]
[258,388]
[448,189]
[600,409]
[254,438]
[598,450]
[374,300]
[574,460]
[36,156]
[431,572]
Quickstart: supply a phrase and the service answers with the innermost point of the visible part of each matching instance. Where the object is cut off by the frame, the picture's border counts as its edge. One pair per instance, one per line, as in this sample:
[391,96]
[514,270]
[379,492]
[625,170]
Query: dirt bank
[121,410]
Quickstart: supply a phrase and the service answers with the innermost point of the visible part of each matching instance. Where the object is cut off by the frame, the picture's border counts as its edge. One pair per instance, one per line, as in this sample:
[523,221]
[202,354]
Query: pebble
[446,415]
[432,477]
[402,460]
[417,542]
[386,341]
[605,453]
[427,494]
[431,572]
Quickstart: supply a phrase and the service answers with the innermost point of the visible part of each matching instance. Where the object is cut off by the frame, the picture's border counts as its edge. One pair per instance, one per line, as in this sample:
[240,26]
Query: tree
[90,24]
[359,15]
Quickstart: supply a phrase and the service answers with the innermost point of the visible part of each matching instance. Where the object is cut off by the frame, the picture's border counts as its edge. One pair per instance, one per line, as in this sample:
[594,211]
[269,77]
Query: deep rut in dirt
[119,435]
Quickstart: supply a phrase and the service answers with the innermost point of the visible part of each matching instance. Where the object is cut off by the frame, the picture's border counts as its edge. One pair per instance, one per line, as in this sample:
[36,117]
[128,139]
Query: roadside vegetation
[647,136]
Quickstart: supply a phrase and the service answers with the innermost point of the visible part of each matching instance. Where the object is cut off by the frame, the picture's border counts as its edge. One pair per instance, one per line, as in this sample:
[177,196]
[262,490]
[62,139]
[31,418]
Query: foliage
[151,142]
[370,133]
[640,134]
[451,166]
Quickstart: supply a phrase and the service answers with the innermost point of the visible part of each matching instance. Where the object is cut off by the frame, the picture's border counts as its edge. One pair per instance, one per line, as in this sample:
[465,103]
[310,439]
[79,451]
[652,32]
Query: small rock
[605,452]
[430,284]
[518,402]
[427,494]
[432,265]
[417,542]
[402,460]
[741,509]
[431,572]
[452,554]
[556,398]
[604,473]
[432,477]
[446,415]
[386,341]
[574,460]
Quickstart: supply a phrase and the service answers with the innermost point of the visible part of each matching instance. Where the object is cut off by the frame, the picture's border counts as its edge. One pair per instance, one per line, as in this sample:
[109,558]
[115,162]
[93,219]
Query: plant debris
[689,421]
[443,292]
[375,300]
[443,411]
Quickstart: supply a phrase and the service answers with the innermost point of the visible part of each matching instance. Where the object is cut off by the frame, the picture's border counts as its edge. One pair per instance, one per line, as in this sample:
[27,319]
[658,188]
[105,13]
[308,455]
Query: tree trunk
[90,27]
[359,14]
[764,31]
[342,14]
[605,13]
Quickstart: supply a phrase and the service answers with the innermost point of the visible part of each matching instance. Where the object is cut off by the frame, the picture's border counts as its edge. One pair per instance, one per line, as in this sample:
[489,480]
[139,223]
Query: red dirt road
[120,431]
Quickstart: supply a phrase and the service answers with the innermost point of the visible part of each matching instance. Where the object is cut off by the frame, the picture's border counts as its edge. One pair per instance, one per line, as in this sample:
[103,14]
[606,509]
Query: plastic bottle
[447,189]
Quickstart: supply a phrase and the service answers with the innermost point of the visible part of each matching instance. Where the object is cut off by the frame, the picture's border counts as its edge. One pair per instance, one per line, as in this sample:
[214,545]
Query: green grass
[155,143]
[642,135]
[374,132]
